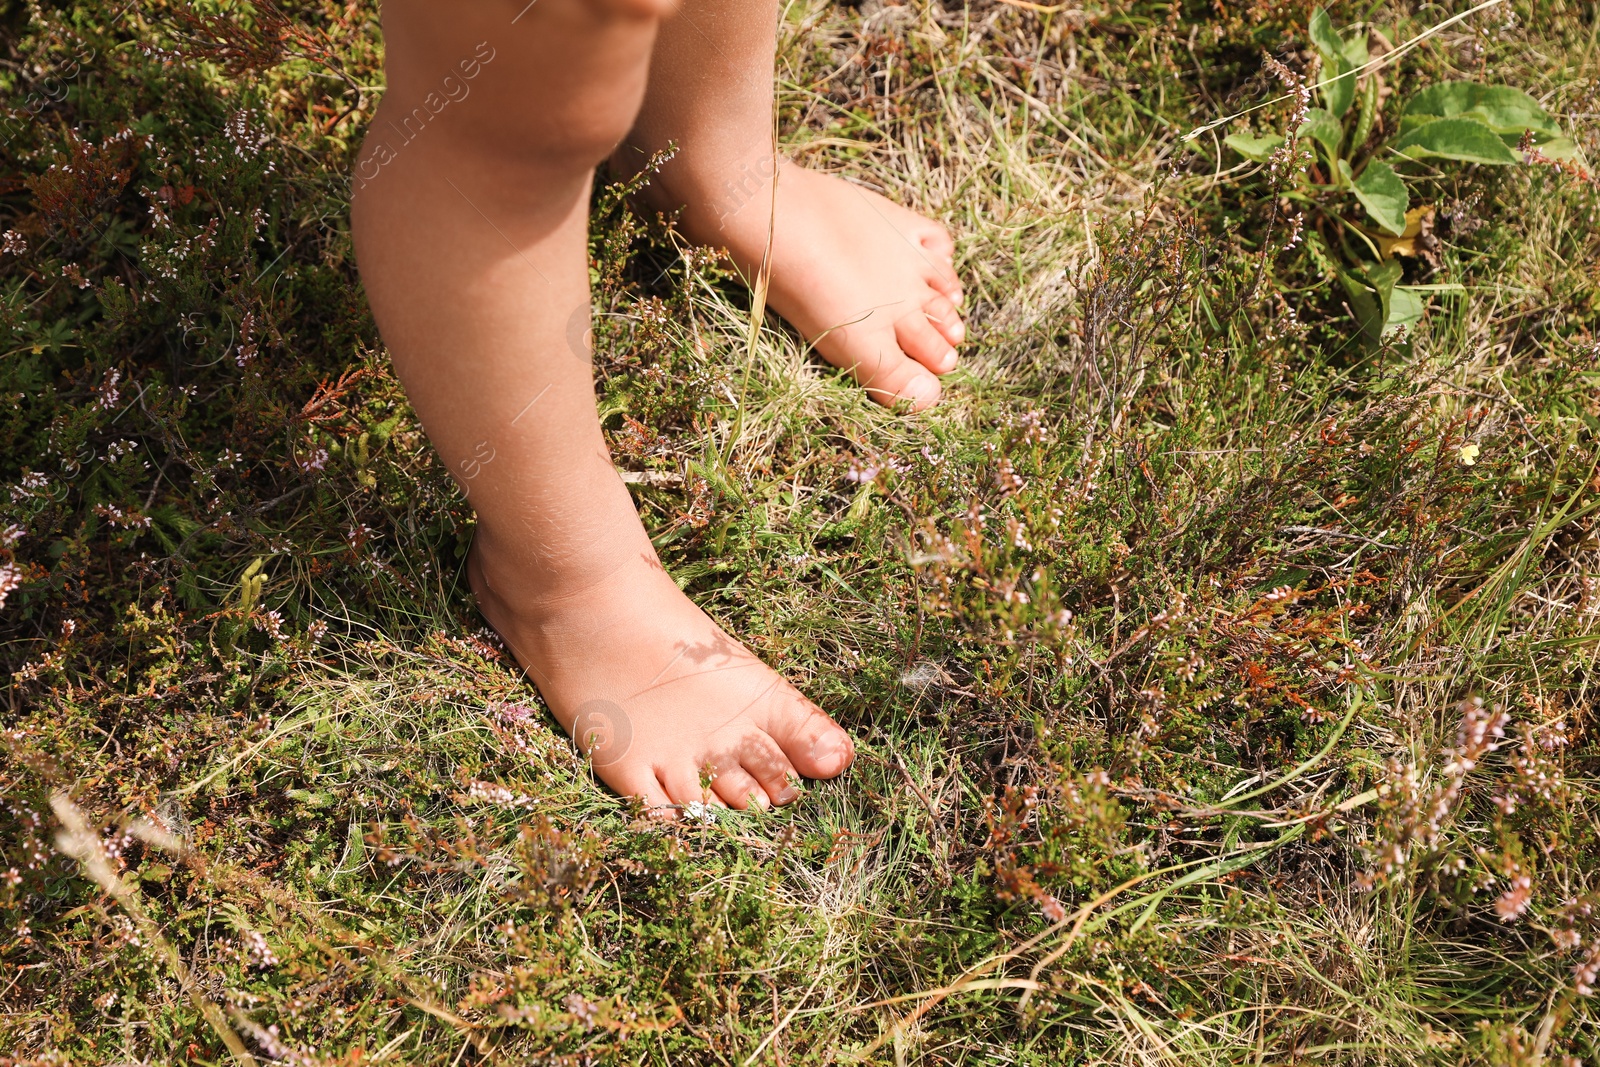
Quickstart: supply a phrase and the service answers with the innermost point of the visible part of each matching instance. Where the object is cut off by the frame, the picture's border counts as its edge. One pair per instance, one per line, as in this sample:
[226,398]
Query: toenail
[923,389]
[830,751]
[786,795]
[959,332]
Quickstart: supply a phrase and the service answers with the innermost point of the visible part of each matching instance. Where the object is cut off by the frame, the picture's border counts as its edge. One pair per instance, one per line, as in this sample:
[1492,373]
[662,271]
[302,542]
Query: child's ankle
[505,573]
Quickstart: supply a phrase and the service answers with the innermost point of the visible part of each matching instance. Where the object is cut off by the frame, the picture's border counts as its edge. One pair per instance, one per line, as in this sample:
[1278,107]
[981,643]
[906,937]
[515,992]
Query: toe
[642,783]
[738,790]
[942,313]
[939,263]
[940,273]
[907,382]
[682,784]
[813,743]
[936,239]
[942,278]
[880,366]
[763,759]
[919,340]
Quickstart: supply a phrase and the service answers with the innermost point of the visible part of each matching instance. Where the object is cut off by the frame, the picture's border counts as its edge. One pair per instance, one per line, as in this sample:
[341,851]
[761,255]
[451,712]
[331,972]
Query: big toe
[907,383]
[639,780]
[814,744]
[879,363]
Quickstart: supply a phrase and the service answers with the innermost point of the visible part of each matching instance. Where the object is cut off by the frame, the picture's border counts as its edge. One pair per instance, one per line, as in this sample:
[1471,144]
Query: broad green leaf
[1339,94]
[1250,146]
[1558,148]
[1504,110]
[1340,91]
[1383,194]
[1355,51]
[1384,277]
[1400,306]
[1322,127]
[1465,139]
[1370,315]
[1371,295]
[1405,309]
[1324,37]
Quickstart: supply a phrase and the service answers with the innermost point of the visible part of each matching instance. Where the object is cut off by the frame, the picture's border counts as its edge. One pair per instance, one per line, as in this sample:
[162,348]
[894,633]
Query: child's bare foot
[670,708]
[868,281]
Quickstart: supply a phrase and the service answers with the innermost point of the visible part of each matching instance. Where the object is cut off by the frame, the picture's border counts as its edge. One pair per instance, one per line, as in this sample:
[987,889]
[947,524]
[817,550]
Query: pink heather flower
[1553,736]
[122,520]
[270,623]
[1480,733]
[241,131]
[109,394]
[1586,975]
[1006,478]
[255,950]
[861,472]
[515,714]
[498,795]
[1514,901]
[586,1010]
[10,579]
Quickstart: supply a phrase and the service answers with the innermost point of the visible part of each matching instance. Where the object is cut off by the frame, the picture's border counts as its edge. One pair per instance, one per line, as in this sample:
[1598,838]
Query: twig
[933,815]
[83,845]
[1325,532]
[778,1029]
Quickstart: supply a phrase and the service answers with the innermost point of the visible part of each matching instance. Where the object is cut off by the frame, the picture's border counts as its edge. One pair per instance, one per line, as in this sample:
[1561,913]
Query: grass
[1175,640]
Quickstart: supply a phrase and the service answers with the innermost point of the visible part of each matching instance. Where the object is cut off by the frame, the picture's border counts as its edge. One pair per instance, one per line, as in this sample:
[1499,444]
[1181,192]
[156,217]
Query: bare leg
[470,226]
[868,281]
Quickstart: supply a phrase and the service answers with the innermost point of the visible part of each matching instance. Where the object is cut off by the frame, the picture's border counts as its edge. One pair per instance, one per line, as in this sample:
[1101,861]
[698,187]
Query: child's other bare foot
[868,281]
[670,708]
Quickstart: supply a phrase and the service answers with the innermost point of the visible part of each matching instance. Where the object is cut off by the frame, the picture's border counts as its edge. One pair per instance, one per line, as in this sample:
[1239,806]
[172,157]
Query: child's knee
[553,81]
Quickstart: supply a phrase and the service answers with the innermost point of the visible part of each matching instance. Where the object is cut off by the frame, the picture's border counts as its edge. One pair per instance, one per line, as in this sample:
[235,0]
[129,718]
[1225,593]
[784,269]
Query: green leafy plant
[1341,152]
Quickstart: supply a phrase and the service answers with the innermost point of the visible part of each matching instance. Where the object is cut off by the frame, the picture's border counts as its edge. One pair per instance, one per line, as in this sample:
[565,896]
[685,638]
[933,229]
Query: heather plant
[1221,686]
